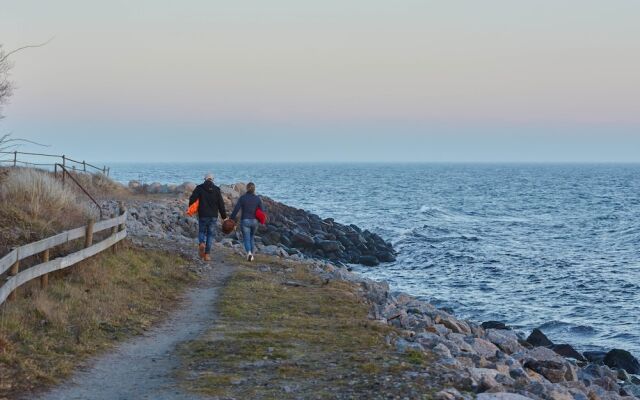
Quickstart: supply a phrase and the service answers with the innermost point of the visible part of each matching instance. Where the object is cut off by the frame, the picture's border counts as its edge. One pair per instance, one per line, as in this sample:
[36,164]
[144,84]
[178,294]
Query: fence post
[84,166]
[122,210]
[13,272]
[15,158]
[64,159]
[88,237]
[114,230]
[44,279]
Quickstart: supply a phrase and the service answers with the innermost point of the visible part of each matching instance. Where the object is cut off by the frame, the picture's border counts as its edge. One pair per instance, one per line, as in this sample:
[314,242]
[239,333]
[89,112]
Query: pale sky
[332,80]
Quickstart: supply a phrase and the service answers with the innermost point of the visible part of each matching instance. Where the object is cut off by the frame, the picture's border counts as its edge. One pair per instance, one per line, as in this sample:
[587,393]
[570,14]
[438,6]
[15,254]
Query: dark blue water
[551,246]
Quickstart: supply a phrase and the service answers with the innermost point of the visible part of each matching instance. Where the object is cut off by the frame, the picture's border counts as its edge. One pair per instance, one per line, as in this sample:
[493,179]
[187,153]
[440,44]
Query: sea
[549,246]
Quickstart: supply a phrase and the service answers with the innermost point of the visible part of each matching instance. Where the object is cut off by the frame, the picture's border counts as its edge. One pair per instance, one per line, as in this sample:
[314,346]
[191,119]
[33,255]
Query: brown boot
[207,257]
[201,250]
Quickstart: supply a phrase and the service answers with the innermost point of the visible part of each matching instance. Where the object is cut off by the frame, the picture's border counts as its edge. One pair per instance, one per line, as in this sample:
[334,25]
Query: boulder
[554,371]
[329,245]
[596,357]
[494,325]
[483,378]
[135,185]
[567,351]
[301,241]
[506,340]
[539,339]
[155,187]
[370,261]
[271,238]
[550,365]
[385,256]
[622,359]
[484,348]
[502,396]
[187,187]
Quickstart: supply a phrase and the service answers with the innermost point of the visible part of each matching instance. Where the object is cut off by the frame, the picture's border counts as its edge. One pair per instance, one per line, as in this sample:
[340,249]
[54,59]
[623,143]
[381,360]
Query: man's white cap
[208,177]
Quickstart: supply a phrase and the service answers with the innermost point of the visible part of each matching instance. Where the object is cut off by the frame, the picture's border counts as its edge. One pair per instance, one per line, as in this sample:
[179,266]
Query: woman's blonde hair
[251,188]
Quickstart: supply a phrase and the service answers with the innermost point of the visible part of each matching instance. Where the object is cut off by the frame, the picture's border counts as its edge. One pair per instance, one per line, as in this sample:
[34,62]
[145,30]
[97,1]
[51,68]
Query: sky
[332,80]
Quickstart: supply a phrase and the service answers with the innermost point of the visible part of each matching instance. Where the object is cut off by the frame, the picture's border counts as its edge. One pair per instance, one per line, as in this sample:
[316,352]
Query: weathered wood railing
[10,158]
[11,261]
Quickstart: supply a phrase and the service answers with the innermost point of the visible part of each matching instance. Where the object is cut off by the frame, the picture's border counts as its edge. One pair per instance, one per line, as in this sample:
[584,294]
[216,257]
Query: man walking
[211,203]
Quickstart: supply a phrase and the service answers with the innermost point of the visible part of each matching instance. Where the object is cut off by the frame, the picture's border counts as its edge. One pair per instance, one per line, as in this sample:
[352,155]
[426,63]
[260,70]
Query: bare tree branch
[9,143]
[29,46]
[6,86]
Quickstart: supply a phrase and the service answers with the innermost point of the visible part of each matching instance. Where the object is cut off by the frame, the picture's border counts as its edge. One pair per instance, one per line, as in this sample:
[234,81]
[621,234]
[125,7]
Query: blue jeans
[205,231]
[249,227]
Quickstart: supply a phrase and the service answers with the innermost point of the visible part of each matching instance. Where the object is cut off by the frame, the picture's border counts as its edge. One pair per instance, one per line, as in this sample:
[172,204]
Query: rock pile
[289,232]
[494,362]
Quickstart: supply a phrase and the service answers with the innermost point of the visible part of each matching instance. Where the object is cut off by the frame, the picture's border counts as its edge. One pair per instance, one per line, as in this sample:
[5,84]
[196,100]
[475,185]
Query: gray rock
[154,188]
[566,350]
[329,245]
[502,396]
[135,185]
[441,350]
[403,346]
[506,340]
[301,240]
[370,261]
[495,325]
[484,348]
[618,358]
[595,356]
[537,338]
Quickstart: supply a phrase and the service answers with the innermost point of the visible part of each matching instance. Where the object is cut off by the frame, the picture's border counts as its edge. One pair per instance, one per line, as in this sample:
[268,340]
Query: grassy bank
[285,333]
[45,333]
[34,204]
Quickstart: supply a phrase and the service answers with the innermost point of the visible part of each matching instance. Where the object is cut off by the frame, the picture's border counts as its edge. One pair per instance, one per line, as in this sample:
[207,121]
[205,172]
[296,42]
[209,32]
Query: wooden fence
[11,261]
[13,158]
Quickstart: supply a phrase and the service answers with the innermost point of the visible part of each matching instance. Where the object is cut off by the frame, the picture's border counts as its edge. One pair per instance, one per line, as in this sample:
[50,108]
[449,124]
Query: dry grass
[101,186]
[34,205]
[275,340]
[39,195]
[45,333]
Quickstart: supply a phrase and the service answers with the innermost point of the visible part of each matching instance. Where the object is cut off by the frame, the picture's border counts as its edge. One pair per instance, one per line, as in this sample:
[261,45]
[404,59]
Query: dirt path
[143,367]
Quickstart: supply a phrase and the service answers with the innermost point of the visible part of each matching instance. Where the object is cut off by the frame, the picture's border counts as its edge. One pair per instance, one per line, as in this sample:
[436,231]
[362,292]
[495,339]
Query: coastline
[491,357]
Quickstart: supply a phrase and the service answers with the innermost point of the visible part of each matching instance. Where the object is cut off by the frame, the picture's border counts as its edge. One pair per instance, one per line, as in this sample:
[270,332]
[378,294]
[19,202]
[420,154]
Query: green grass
[316,339]
[85,310]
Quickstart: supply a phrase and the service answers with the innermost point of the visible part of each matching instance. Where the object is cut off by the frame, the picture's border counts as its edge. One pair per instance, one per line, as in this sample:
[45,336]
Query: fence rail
[75,165]
[11,261]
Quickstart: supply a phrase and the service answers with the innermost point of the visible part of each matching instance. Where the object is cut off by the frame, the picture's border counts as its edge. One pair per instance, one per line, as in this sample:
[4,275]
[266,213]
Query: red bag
[261,216]
[193,209]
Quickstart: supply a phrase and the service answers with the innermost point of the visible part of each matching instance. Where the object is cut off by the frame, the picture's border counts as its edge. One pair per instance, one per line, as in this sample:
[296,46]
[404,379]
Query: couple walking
[211,203]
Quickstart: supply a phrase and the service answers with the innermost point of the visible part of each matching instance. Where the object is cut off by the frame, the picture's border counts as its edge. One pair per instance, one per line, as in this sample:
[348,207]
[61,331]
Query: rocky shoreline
[288,229]
[492,361]
[487,361]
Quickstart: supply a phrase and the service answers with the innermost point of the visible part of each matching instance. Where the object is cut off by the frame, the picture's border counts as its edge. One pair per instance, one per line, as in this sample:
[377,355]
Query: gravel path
[143,367]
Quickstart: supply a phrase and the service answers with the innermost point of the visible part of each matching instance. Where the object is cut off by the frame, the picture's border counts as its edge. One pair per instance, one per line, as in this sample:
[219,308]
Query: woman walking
[248,204]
